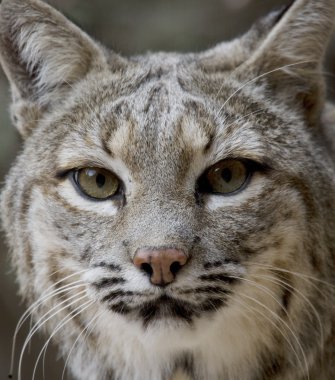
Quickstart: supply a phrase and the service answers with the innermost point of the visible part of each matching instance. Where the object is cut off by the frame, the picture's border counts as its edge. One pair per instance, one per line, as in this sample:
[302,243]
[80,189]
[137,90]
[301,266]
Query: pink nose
[161,265]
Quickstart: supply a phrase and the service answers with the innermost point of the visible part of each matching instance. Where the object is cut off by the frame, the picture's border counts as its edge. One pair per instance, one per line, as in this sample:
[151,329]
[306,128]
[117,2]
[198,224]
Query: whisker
[261,316]
[241,118]
[62,323]
[88,329]
[38,325]
[253,80]
[42,320]
[276,316]
[33,307]
[265,290]
[298,274]
[290,287]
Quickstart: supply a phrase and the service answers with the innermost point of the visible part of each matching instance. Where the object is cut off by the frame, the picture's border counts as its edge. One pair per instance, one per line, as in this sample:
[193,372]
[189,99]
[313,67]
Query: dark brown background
[129,27]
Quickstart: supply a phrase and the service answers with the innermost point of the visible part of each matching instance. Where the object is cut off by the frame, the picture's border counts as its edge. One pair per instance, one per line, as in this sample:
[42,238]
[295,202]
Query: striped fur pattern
[256,299]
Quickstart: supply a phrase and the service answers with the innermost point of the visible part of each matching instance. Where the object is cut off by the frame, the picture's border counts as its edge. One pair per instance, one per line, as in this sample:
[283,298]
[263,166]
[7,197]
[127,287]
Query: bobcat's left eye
[96,183]
[225,177]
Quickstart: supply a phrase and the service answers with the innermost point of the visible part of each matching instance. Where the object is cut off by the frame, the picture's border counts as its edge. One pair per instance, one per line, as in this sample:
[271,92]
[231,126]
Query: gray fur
[255,300]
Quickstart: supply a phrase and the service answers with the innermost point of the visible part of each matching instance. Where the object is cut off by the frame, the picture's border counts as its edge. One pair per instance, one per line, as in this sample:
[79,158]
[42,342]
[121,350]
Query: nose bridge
[159,221]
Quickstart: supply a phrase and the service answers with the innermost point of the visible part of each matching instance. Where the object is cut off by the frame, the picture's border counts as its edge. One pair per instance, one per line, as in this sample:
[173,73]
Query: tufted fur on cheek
[250,288]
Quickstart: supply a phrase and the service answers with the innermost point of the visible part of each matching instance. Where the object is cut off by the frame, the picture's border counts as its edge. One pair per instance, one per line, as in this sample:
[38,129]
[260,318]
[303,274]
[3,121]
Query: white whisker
[34,306]
[241,118]
[38,325]
[62,323]
[277,317]
[88,329]
[254,80]
[289,288]
[304,276]
[261,317]
[265,290]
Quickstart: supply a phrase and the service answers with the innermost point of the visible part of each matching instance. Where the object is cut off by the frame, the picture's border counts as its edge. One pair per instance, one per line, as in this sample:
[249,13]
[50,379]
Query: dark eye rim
[74,174]
[203,186]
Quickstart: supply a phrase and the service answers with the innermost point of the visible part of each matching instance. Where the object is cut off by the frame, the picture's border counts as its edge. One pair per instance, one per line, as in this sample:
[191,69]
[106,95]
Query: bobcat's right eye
[225,177]
[96,183]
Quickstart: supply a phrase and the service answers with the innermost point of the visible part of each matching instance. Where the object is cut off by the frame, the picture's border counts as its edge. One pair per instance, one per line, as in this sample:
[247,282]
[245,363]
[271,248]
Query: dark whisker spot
[120,308]
[125,243]
[117,293]
[105,282]
[148,312]
[213,304]
[206,290]
[197,239]
[214,264]
[181,311]
[112,267]
[219,263]
[167,307]
[221,277]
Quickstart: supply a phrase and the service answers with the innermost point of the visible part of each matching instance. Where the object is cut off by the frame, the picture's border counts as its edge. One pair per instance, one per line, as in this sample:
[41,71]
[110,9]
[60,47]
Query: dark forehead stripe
[155,105]
[111,123]
[205,119]
[149,123]
[157,100]
[107,129]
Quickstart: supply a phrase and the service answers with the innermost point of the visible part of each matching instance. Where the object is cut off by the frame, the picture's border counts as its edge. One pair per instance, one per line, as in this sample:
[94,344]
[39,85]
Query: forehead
[154,126]
[148,115]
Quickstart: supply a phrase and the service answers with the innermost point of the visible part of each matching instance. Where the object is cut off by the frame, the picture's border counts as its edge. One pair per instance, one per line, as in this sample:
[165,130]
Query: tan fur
[256,299]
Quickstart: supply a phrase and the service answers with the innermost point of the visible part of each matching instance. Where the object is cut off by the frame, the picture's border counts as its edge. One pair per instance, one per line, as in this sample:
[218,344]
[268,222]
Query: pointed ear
[290,58]
[42,54]
[227,56]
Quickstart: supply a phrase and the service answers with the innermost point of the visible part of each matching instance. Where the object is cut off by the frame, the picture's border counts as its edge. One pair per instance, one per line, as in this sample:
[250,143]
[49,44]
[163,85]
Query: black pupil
[226,175]
[100,180]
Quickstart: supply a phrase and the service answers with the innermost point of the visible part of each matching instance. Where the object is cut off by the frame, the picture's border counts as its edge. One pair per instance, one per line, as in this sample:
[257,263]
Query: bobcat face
[177,198]
[160,161]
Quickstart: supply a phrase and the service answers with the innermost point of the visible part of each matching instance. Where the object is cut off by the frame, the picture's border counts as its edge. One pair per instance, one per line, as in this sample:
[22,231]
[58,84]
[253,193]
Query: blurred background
[129,27]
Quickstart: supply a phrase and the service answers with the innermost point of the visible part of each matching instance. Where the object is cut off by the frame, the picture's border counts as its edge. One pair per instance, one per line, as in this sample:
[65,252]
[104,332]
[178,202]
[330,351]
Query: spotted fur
[256,298]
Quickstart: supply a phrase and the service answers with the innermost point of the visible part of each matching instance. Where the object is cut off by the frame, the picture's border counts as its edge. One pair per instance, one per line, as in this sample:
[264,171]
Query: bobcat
[173,215]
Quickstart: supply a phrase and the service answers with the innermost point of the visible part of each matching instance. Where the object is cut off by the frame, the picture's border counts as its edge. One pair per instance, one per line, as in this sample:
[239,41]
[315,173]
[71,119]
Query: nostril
[147,268]
[161,265]
[175,267]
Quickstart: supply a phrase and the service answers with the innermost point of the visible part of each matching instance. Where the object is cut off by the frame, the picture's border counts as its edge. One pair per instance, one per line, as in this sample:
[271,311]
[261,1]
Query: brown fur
[255,300]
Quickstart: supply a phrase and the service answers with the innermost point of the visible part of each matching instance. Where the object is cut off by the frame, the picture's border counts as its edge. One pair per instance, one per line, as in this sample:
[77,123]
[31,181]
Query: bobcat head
[173,210]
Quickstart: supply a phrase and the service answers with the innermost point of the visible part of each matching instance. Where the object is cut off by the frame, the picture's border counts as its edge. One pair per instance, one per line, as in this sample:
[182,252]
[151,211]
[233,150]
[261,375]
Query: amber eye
[96,182]
[225,177]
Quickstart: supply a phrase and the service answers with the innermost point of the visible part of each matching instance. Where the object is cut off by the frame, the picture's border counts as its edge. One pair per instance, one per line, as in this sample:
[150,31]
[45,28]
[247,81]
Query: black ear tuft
[283,10]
